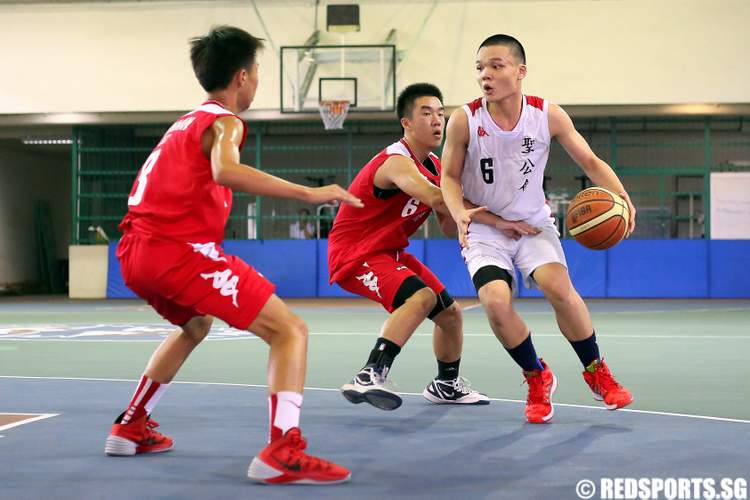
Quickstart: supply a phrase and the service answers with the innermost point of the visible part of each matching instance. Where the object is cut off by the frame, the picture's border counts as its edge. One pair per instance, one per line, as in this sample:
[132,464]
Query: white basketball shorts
[490,247]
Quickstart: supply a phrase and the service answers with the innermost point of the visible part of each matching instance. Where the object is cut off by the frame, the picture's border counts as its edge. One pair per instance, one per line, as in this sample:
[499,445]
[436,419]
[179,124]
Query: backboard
[364,75]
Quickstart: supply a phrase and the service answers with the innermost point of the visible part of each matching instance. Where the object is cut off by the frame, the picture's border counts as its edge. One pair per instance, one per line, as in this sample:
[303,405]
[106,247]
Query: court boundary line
[655,311]
[327,389]
[39,416]
[250,336]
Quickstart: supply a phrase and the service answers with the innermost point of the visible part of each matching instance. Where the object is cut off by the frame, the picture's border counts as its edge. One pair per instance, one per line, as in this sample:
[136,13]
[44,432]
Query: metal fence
[664,163]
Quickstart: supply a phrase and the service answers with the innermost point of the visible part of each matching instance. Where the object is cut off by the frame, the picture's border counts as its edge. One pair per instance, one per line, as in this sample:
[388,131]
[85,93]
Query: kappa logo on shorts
[225,283]
[208,250]
[371,282]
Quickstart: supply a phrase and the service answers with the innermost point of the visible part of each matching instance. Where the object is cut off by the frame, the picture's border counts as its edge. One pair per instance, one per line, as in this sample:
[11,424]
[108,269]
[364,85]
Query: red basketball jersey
[387,220]
[174,195]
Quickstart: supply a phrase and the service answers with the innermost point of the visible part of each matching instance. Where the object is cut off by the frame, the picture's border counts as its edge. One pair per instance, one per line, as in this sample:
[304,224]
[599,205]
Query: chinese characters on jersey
[528,166]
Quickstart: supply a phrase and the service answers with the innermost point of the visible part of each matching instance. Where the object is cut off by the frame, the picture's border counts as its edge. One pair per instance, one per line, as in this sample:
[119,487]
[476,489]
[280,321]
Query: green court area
[677,356]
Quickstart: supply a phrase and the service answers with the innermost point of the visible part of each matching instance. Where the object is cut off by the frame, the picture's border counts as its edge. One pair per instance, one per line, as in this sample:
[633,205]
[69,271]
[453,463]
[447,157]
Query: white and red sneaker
[135,437]
[284,461]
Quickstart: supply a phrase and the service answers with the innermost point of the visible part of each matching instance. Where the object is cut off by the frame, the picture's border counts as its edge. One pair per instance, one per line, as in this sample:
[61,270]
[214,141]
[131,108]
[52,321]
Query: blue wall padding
[729,269]
[116,288]
[634,268]
[323,288]
[587,268]
[289,264]
[443,257]
[658,268]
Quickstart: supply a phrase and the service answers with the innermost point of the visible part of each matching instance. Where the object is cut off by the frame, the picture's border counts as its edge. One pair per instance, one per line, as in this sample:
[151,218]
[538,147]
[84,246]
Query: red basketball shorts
[183,280]
[379,276]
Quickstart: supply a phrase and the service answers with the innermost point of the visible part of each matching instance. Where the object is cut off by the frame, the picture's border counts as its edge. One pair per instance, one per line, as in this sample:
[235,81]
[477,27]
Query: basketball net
[333,113]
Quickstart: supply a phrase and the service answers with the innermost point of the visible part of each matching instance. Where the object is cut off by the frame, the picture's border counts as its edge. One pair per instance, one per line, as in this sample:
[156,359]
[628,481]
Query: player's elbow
[592,164]
[221,174]
[437,203]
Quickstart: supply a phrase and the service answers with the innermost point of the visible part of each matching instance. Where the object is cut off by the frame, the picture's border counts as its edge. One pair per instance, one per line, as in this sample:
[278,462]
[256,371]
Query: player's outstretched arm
[561,127]
[512,229]
[228,171]
[400,172]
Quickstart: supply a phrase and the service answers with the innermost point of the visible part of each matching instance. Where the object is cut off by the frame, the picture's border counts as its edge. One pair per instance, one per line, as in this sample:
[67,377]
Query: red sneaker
[542,385]
[283,461]
[605,388]
[136,437]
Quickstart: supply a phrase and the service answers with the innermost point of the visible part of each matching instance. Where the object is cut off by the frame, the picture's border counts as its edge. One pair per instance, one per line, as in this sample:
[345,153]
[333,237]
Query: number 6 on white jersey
[148,166]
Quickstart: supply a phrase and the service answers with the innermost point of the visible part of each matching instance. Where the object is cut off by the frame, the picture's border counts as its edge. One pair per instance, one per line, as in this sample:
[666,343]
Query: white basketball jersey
[504,170]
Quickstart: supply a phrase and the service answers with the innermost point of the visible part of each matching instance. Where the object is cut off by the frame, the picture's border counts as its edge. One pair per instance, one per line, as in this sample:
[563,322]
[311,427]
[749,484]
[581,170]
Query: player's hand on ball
[517,229]
[463,224]
[333,192]
[631,225]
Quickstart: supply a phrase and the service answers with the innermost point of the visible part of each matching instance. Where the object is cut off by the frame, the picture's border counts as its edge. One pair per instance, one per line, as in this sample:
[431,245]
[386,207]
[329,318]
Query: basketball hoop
[333,113]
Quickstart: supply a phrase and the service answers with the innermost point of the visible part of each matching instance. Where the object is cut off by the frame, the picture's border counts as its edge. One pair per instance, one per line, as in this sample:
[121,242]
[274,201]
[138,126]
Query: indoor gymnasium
[537,211]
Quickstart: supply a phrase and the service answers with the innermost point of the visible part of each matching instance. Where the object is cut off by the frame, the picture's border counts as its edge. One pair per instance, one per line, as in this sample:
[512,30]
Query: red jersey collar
[413,156]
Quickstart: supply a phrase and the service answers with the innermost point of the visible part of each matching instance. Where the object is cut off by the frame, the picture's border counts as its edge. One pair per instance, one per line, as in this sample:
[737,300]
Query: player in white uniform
[494,158]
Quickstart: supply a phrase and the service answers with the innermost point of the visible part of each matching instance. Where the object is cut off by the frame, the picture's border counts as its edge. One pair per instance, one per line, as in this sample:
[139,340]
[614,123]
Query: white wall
[26,177]
[134,57]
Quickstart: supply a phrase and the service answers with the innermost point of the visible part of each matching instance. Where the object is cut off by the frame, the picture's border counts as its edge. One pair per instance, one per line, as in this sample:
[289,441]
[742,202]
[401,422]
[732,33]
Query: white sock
[151,403]
[288,406]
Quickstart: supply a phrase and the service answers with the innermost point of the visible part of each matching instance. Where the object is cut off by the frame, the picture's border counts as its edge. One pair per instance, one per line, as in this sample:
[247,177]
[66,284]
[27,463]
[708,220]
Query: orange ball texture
[597,218]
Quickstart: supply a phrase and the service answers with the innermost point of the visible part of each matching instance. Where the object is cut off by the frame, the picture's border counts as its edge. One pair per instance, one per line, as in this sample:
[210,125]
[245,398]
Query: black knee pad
[444,301]
[409,287]
[491,273]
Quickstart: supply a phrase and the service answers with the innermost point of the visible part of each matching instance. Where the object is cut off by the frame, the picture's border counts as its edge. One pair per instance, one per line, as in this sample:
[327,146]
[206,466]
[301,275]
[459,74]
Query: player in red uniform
[366,254]
[171,256]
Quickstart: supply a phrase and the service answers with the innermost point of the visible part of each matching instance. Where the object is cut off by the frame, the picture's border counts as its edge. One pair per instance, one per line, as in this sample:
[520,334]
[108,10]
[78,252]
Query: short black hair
[508,41]
[220,54]
[405,103]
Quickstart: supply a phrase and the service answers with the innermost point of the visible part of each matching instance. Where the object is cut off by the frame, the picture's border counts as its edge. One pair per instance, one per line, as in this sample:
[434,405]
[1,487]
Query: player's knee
[197,328]
[296,329]
[560,292]
[451,318]
[425,299]
[495,295]
[500,312]
[416,295]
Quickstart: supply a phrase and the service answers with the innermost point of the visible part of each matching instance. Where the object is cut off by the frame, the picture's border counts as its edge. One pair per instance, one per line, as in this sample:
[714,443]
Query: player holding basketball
[171,257]
[495,154]
[367,256]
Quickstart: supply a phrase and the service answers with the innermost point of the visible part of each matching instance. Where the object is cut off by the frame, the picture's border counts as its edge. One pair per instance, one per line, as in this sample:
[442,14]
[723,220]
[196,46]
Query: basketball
[597,218]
